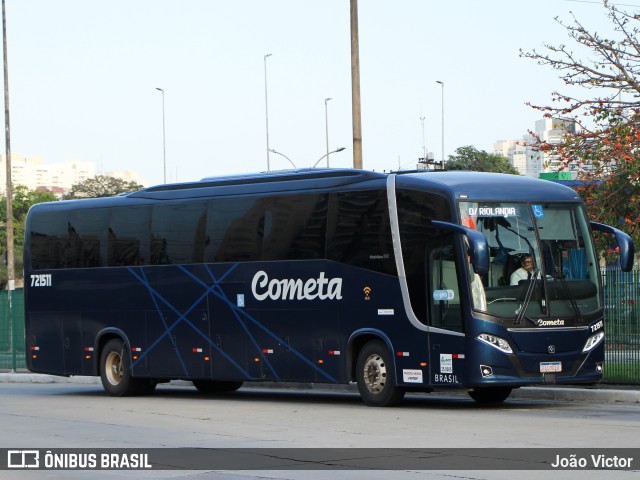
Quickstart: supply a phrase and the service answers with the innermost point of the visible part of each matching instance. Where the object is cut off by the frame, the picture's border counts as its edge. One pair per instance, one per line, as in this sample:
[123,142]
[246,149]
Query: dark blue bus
[400,282]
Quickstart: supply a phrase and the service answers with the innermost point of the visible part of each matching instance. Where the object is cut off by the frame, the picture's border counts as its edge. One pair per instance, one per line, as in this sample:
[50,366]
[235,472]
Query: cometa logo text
[321,288]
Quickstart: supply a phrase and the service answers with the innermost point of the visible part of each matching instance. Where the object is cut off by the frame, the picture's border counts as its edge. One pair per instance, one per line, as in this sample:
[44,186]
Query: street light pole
[442,85]
[355,87]
[326,126]
[266,108]
[9,221]
[327,154]
[164,147]
[424,144]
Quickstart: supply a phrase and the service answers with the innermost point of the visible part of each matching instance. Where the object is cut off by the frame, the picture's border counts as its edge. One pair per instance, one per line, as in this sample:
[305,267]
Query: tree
[612,68]
[606,85]
[23,199]
[470,158]
[101,186]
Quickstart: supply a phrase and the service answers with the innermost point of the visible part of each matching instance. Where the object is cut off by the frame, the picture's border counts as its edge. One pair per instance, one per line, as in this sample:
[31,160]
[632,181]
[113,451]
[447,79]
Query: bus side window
[72,249]
[295,227]
[176,233]
[48,235]
[359,232]
[128,237]
[90,227]
[235,229]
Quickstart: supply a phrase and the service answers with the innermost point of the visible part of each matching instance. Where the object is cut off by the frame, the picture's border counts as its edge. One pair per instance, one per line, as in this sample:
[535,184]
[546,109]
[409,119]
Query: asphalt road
[71,415]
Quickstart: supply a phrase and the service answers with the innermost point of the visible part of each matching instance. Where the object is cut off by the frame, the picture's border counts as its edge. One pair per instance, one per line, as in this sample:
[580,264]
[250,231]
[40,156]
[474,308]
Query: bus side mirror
[627,249]
[478,248]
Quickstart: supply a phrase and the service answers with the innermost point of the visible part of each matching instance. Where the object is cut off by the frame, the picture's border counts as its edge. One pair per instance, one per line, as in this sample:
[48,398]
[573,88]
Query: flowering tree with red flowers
[605,87]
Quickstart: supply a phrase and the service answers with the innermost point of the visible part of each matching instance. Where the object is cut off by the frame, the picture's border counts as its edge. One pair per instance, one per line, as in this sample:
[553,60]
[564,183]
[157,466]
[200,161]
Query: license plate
[547,367]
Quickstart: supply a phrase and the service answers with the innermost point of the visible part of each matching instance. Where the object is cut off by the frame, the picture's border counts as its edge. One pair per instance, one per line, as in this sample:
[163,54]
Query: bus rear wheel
[115,372]
[375,376]
[488,395]
[212,386]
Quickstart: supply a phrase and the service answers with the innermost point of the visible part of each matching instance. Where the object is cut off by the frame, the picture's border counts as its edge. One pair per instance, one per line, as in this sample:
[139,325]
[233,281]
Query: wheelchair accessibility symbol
[538,211]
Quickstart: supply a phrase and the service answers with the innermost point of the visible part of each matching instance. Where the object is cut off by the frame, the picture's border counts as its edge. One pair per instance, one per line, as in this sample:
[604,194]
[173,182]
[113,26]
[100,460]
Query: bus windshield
[543,263]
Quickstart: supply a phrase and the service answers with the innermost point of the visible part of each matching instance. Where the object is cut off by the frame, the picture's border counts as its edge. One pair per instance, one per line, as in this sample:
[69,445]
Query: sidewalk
[602,393]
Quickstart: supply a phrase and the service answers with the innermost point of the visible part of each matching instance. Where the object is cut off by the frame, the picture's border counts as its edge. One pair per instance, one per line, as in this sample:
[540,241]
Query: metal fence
[622,314]
[622,326]
[12,330]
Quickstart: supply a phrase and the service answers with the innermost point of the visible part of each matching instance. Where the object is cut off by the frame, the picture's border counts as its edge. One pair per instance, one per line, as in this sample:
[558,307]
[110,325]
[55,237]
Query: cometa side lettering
[321,288]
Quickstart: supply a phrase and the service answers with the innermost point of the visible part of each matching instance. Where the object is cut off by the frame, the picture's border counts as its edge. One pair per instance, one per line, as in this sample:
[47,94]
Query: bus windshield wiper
[558,275]
[527,298]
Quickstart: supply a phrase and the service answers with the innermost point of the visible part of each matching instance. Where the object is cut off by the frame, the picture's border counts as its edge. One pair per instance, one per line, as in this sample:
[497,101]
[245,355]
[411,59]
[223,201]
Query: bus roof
[265,182]
[476,186]
[457,185]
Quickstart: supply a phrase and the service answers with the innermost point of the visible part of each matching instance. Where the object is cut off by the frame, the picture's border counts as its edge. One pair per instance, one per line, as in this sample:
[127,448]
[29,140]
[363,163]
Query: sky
[83,79]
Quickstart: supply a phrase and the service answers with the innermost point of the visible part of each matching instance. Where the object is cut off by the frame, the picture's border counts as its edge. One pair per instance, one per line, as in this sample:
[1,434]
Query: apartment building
[33,173]
[532,162]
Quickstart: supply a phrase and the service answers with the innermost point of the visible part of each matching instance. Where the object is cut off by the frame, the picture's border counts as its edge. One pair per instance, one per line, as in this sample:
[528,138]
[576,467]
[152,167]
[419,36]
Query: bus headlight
[496,342]
[593,341]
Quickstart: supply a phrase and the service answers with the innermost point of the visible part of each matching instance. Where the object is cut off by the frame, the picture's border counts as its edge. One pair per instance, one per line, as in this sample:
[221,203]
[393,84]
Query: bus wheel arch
[356,342]
[103,337]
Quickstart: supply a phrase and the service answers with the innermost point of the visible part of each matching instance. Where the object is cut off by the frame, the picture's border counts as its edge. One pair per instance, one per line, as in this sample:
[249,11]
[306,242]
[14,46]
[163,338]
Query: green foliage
[608,160]
[470,158]
[101,186]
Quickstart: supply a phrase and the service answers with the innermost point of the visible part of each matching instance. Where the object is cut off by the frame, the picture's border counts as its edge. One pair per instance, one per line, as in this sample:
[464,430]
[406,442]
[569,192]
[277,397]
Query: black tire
[375,376]
[115,372]
[213,386]
[488,395]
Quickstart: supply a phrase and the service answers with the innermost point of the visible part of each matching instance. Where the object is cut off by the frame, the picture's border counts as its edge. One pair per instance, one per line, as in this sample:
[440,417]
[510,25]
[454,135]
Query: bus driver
[524,272]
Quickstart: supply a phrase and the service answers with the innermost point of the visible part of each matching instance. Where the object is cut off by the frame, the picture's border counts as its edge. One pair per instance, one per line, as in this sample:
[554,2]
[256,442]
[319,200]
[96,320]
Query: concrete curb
[601,394]
[42,378]
[598,394]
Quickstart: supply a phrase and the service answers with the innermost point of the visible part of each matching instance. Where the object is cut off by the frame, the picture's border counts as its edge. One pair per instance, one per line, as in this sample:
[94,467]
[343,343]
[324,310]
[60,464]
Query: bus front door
[446,321]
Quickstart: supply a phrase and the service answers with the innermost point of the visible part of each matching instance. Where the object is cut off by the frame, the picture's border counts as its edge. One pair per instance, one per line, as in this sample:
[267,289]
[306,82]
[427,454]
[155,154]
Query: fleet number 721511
[42,280]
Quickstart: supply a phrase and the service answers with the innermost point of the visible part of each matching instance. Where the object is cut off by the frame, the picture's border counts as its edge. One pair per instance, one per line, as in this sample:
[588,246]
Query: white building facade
[529,161]
[34,174]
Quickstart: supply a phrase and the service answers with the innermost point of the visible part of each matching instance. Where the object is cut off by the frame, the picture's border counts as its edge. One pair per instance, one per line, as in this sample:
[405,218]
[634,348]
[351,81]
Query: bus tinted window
[86,245]
[360,232]
[178,233]
[129,236]
[227,229]
[247,229]
[295,227]
[49,233]
[235,227]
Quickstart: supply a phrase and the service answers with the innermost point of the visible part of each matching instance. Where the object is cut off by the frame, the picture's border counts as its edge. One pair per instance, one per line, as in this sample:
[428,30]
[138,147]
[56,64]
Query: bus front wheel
[116,374]
[375,376]
[487,395]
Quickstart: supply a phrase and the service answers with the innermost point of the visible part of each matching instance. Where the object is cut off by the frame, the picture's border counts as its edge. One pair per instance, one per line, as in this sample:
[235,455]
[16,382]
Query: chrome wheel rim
[375,373]
[113,368]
